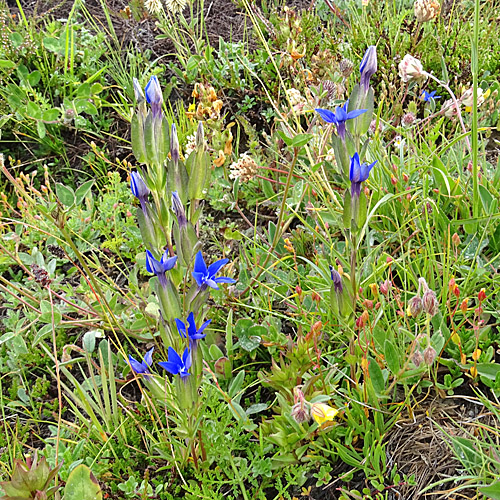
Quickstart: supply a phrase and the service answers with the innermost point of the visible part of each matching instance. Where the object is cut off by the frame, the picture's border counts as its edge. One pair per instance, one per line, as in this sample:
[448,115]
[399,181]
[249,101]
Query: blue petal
[191,325]
[173,357]
[181,327]
[214,268]
[136,366]
[341,112]
[212,284]
[224,279]
[199,277]
[170,367]
[149,262]
[187,359]
[327,115]
[148,357]
[202,327]
[355,113]
[199,264]
[168,263]
[355,168]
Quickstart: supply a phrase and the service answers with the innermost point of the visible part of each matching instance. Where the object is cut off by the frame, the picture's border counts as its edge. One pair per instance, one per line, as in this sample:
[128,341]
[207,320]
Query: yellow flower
[323,413]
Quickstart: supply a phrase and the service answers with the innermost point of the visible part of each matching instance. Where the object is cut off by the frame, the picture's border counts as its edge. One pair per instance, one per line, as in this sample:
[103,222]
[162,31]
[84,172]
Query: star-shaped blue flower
[427,96]
[189,330]
[160,267]
[358,174]
[206,276]
[142,367]
[340,116]
[177,365]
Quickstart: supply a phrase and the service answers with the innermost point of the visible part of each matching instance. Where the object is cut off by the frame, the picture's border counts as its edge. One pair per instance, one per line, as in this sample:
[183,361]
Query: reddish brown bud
[481,296]
[429,355]
[430,302]
[417,358]
[455,239]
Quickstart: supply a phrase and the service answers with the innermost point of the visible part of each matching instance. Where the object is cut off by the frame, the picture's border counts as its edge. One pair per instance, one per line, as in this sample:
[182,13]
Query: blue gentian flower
[368,66]
[189,330]
[177,365]
[139,188]
[337,280]
[426,96]
[142,367]
[206,276]
[154,96]
[160,267]
[179,211]
[358,174]
[339,117]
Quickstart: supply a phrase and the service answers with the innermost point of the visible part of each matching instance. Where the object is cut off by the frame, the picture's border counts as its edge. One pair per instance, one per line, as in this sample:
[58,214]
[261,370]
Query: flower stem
[457,106]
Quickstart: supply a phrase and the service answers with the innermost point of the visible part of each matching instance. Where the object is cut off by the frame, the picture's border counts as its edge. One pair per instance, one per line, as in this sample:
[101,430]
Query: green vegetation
[251,262]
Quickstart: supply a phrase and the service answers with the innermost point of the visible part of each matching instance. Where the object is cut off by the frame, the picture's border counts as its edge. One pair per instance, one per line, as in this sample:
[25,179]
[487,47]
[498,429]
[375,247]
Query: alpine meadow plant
[165,185]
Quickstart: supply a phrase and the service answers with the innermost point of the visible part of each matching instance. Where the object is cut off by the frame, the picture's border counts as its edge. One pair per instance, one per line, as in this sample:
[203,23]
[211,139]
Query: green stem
[475,65]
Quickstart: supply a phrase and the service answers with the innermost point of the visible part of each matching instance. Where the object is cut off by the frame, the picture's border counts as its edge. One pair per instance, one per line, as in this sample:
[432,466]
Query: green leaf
[391,357]
[492,491]
[376,376]
[65,194]
[82,485]
[249,344]
[34,77]
[256,408]
[5,64]
[85,106]
[82,191]
[488,370]
[41,334]
[236,384]
[40,128]
[51,115]
[301,140]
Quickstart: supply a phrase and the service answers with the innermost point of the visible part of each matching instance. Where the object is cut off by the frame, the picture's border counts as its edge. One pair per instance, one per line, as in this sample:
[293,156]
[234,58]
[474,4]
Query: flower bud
[450,109]
[200,136]
[385,287]
[139,95]
[481,296]
[430,303]
[154,96]
[178,209]
[429,355]
[426,10]
[464,305]
[455,239]
[300,413]
[174,144]
[415,306]
[408,119]
[411,69]
[368,66]
[337,280]
[417,358]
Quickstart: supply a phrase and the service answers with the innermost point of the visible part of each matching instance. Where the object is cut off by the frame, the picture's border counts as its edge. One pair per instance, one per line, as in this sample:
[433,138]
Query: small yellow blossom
[323,413]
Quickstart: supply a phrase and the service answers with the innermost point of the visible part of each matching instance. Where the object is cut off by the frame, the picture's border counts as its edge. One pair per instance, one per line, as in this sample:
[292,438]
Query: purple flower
[178,209]
[337,280]
[339,117]
[368,66]
[142,367]
[154,96]
[206,276]
[358,174]
[139,190]
[190,331]
[426,96]
[177,365]
[160,267]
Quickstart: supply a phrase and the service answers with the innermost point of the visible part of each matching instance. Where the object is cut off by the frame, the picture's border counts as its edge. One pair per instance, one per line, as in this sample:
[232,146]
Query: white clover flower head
[244,169]
[175,6]
[411,69]
[154,7]
[426,10]
[468,97]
